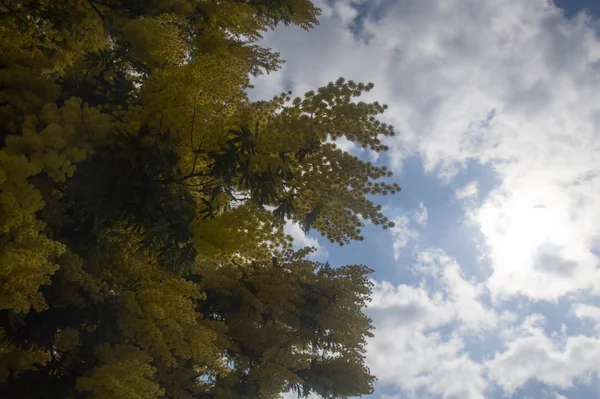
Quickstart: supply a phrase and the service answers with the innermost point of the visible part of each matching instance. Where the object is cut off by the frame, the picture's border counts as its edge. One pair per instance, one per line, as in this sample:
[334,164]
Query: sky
[489,285]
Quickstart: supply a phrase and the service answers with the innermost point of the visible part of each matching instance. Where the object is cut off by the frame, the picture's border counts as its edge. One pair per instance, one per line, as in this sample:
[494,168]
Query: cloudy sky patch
[488,285]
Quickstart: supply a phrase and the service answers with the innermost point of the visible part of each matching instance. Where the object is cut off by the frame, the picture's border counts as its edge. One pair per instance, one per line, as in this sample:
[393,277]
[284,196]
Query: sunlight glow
[531,240]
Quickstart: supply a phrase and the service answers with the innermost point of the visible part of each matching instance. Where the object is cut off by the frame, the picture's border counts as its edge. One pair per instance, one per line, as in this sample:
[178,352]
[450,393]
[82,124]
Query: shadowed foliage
[143,198]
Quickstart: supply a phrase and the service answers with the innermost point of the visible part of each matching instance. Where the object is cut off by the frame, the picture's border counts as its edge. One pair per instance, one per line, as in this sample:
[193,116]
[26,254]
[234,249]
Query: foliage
[143,199]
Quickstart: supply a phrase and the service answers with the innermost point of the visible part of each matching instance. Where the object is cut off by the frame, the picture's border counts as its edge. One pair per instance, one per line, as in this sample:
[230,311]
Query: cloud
[536,246]
[353,148]
[402,234]
[500,92]
[293,395]
[346,145]
[557,361]
[588,312]
[421,215]
[416,349]
[464,295]
[302,240]
[410,349]
[468,191]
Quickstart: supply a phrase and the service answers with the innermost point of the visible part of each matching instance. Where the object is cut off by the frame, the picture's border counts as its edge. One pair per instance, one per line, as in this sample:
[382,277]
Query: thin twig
[159,130]
[217,112]
[96,9]
[196,153]
[85,126]
[181,179]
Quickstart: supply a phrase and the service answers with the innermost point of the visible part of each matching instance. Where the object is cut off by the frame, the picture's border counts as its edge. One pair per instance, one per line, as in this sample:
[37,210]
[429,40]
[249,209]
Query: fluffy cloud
[410,349]
[588,312]
[420,348]
[292,395]
[557,361]
[468,191]
[537,246]
[402,234]
[421,215]
[302,240]
[494,85]
[346,145]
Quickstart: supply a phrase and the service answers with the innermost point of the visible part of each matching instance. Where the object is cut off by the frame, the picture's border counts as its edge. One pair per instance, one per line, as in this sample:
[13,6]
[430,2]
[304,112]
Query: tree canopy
[143,198]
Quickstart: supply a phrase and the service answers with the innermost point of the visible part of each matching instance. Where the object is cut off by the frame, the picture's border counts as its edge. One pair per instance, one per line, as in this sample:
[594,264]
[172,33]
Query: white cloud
[462,294]
[346,145]
[345,12]
[409,349]
[506,97]
[292,395]
[468,191]
[536,247]
[302,240]
[557,361]
[353,148]
[421,215]
[402,234]
[588,312]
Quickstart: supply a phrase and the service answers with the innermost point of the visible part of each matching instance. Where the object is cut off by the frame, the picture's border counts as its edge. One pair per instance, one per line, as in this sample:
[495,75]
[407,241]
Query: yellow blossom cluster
[143,198]
[124,372]
[243,232]
[156,308]
[52,142]
[26,254]
[14,359]
[157,41]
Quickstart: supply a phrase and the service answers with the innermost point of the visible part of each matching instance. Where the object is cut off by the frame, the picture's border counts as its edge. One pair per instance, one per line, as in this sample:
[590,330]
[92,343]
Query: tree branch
[217,112]
[91,3]
[181,179]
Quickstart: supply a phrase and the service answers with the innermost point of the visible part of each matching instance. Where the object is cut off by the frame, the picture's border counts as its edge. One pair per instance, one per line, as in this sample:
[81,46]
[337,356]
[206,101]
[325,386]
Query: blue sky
[572,7]
[489,285]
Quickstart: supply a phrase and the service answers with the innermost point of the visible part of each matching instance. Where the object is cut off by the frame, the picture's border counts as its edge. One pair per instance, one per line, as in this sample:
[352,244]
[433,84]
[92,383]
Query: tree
[143,199]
